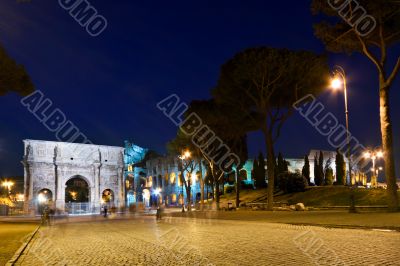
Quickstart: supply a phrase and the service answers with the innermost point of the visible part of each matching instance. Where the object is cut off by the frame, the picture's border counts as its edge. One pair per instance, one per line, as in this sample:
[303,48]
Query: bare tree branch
[394,73]
[370,55]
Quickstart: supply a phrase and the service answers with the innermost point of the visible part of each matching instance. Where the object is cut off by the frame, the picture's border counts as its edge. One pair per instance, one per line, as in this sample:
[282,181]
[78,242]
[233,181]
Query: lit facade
[49,166]
[134,174]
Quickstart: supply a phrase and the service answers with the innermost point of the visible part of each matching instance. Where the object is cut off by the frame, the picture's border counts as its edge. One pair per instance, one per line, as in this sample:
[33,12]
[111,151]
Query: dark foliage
[306,169]
[13,77]
[340,168]
[259,171]
[292,182]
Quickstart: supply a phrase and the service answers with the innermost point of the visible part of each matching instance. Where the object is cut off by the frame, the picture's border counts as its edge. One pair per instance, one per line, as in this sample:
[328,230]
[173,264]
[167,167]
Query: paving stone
[208,242]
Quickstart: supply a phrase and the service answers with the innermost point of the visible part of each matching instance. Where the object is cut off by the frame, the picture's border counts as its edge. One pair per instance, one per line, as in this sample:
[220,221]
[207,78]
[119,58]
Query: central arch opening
[107,197]
[44,199]
[76,190]
[77,199]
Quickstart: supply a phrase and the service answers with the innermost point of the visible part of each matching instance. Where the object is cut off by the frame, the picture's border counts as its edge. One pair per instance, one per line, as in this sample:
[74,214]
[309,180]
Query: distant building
[329,159]
[162,183]
[80,178]
[134,173]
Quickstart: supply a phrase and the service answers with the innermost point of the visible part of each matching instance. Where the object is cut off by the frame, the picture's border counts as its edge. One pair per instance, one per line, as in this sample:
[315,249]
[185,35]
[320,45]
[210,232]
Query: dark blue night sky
[109,85]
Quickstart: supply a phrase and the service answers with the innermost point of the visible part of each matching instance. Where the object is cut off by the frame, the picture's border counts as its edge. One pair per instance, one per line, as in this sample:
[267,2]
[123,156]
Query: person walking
[46,216]
[105,211]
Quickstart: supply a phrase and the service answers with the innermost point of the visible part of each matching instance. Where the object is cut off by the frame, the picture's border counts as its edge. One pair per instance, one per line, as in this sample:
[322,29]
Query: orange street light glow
[336,84]
[186,154]
[20,197]
[367,155]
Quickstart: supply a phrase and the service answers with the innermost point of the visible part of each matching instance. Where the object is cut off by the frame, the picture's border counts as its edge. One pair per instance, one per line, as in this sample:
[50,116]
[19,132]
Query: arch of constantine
[66,174]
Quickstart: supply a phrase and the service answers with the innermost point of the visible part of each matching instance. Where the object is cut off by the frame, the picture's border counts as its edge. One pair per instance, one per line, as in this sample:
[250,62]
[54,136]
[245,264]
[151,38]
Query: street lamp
[185,155]
[338,82]
[373,155]
[8,185]
[157,191]
[42,198]
[20,197]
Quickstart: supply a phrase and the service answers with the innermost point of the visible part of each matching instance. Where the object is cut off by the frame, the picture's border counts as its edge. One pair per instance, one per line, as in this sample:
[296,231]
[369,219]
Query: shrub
[245,185]
[292,182]
[329,176]
[229,189]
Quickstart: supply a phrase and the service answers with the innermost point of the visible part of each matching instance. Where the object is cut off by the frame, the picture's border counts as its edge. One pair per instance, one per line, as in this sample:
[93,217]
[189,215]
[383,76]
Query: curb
[21,250]
[344,226]
[338,226]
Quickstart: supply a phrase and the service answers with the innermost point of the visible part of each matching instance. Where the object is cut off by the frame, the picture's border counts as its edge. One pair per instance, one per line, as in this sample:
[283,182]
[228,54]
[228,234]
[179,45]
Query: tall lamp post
[373,155]
[339,82]
[185,155]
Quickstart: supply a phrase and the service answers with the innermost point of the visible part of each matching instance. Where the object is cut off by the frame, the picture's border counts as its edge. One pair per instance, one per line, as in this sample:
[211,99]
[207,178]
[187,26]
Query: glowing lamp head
[157,191]
[41,198]
[379,154]
[7,184]
[20,197]
[336,84]
[187,154]
[367,155]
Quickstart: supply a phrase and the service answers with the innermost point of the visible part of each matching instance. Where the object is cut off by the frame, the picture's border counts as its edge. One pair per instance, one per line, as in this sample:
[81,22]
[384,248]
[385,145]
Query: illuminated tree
[217,119]
[230,127]
[177,147]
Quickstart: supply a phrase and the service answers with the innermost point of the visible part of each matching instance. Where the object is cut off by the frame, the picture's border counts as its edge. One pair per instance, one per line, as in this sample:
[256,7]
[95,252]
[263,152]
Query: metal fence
[4,210]
[79,208]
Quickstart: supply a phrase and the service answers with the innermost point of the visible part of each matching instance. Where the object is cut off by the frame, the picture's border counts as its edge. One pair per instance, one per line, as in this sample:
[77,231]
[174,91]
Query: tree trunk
[201,186]
[202,195]
[387,142]
[207,193]
[270,169]
[189,196]
[217,193]
[237,188]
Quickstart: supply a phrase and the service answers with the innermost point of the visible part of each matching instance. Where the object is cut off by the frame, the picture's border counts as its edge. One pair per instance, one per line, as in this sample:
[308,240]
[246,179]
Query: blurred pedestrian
[105,211]
[159,213]
[46,216]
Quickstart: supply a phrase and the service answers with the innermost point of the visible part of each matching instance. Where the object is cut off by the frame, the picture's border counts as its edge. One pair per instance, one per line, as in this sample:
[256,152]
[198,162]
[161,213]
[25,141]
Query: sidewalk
[327,218]
[337,219]
[19,219]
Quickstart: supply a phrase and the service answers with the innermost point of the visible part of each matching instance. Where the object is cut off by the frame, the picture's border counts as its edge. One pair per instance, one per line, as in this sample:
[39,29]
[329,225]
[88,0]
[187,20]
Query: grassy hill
[318,196]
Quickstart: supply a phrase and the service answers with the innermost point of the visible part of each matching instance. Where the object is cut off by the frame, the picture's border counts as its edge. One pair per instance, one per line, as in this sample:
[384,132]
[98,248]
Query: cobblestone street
[175,241]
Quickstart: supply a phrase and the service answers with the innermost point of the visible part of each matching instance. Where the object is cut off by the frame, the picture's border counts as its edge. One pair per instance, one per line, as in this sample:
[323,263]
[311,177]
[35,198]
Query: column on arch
[95,193]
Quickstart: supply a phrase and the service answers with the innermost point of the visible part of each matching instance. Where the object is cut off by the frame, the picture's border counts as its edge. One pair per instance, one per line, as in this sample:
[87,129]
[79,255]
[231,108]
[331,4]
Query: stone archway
[77,195]
[51,164]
